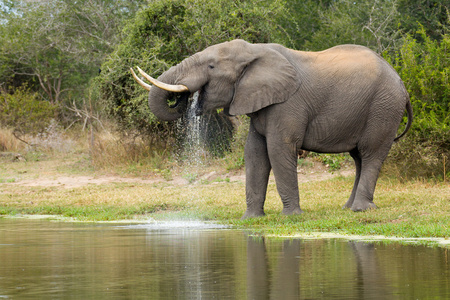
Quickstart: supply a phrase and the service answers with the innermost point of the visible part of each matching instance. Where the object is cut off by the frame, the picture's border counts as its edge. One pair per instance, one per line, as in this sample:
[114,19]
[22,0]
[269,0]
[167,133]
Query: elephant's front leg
[283,159]
[257,170]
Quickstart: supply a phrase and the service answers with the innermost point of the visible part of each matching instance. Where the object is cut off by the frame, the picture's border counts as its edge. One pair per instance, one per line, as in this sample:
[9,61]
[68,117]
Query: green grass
[415,208]
[408,209]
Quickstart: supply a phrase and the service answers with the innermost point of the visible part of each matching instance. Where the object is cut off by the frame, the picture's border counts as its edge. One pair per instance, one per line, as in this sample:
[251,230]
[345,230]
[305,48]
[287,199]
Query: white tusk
[168,87]
[142,83]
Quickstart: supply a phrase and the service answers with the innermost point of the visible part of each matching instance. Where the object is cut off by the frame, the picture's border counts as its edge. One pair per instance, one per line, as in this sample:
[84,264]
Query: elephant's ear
[269,79]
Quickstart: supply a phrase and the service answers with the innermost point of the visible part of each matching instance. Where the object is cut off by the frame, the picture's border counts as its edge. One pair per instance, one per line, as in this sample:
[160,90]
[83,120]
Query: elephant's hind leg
[357,158]
[370,169]
[364,193]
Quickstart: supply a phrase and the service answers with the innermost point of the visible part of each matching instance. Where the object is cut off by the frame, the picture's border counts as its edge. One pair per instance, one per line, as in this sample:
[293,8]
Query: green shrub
[25,112]
[424,68]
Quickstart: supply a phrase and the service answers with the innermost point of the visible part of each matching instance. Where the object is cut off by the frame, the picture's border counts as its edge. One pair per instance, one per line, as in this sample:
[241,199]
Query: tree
[430,15]
[371,23]
[301,20]
[58,45]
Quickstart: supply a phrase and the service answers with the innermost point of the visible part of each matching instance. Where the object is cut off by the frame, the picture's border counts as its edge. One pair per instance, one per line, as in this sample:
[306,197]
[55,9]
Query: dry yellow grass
[8,142]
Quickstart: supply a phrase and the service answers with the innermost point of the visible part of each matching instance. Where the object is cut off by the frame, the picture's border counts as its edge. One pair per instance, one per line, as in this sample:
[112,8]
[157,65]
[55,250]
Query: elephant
[343,99]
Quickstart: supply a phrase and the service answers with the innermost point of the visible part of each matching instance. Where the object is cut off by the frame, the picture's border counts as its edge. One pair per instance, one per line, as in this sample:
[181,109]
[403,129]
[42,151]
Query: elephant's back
[353,58]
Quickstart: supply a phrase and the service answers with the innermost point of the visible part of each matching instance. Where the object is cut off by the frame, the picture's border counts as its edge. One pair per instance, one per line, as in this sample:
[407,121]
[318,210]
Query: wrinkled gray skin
[344,99]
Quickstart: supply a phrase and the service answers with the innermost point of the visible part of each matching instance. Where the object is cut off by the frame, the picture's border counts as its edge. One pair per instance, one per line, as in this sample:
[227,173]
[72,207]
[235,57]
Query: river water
[41,259]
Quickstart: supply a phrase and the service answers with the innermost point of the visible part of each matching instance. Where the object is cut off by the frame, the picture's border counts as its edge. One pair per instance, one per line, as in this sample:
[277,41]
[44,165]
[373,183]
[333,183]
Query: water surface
[40,259]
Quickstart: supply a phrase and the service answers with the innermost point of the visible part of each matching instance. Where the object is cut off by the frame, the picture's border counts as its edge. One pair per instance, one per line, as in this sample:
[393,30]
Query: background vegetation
[64,65]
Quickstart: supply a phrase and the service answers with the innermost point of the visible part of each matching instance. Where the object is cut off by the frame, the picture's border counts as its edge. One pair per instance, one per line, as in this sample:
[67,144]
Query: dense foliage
[58,48]
[425,69]
[165,32]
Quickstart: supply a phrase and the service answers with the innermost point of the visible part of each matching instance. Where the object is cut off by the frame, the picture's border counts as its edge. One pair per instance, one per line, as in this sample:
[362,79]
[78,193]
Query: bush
[24,112]
[424,68]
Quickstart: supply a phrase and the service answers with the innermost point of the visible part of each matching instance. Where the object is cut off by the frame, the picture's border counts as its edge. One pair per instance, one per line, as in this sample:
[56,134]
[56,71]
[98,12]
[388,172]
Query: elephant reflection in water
[370,279]
[283,281]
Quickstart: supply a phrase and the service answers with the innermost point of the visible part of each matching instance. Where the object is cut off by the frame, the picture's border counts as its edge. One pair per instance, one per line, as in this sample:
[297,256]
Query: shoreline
[440,242]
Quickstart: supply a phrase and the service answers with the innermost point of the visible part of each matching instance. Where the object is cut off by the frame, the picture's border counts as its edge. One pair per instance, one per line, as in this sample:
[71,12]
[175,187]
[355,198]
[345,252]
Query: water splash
[193,142]
[193,153]
[203,137]
[177,225]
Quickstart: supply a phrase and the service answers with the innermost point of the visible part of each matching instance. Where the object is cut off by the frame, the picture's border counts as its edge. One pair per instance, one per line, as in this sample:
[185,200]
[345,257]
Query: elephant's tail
[409,112]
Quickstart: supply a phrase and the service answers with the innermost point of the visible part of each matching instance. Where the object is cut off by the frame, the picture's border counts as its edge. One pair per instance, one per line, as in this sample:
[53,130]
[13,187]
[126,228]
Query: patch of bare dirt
[316,173]
[75,181]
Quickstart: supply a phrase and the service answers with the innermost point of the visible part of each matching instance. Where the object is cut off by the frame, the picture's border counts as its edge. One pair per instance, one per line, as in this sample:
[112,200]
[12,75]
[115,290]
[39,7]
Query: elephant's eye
[211,66]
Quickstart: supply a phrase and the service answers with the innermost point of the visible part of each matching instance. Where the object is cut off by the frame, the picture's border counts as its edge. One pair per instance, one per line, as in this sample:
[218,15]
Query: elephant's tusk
[142,83]
[168,87]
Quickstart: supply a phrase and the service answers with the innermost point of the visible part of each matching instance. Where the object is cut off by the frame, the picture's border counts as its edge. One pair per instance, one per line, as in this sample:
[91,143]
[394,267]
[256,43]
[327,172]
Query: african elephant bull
[344,99]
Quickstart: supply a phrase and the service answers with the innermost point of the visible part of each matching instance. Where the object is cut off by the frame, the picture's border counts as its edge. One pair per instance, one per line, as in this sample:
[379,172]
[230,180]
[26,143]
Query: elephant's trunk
[160,107]
[174,85]
[158,100]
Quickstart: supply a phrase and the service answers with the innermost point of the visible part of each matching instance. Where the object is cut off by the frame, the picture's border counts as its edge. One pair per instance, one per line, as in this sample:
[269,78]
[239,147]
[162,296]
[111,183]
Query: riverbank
[63,187]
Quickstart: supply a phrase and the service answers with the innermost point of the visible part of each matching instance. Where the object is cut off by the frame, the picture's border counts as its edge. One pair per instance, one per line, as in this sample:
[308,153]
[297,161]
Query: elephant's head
[237,76]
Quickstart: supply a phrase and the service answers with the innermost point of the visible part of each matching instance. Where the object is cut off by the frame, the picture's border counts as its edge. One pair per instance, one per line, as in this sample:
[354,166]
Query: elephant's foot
[363,205]
[253,214]
[348,204]
[294,211]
